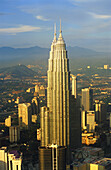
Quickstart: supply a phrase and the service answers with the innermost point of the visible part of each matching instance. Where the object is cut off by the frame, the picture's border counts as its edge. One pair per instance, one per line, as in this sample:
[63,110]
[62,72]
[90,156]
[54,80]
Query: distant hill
[37,55]
[18,71]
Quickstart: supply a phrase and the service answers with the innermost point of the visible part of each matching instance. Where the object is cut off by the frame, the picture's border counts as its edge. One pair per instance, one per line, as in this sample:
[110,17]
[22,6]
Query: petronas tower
[58,91]
[54,119]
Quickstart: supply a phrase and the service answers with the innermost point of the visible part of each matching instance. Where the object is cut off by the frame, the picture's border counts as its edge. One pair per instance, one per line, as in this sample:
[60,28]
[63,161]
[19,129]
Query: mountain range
[37,55]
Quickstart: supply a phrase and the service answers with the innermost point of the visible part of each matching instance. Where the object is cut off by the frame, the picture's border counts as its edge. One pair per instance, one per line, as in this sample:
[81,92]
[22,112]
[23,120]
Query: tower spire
[55,39]
[60,35]
[60,26]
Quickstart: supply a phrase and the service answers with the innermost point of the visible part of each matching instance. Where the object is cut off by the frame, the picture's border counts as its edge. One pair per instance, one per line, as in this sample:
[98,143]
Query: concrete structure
[89,138]
[35,105]
[75,123]
[10,160]
[106,66]
[87,99]
[39,134]
[45,126]
[101,164]
[100,111]
[91,121]
[34,118]
[14,134]
[24,115]
[58,91]
[83,120]
[14,160]
[52,157]
[54,119]
[8,121]
[3,158]
[37,88]
[74,86]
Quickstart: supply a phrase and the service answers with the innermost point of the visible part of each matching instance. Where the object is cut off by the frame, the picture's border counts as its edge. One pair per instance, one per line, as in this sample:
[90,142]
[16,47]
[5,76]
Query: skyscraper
[58,91]
[24,115]
[55,117]
[74,86]
[87,99]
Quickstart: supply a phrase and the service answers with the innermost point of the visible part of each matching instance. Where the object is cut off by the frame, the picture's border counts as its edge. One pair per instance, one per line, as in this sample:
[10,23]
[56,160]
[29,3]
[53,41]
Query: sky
[28,23]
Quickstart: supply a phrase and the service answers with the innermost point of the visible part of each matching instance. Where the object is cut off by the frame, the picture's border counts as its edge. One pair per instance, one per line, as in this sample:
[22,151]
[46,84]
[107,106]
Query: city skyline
[30,23]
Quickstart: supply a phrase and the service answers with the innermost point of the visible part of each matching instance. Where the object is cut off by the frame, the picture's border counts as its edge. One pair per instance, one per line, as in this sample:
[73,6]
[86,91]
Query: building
[104,163]
[3,158]
[25,115]
[100,111]
[87,99]
[10,160]
[8,121]
[35,105]
[45,126]
[83,120]
[106,66]
[74,86]
[75,123]
[89,138]
[91,121]
[14,134]
[34,118]
[14,160]
[55,126]
[58,91]
[52,157]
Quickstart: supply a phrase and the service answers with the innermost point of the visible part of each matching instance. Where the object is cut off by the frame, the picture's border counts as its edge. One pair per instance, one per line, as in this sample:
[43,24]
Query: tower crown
[60,41]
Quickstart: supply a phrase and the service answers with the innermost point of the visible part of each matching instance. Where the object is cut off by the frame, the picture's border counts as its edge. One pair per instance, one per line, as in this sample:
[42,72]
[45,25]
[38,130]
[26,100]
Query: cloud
[100,16]
[20,29]
[41,18]
[2,13]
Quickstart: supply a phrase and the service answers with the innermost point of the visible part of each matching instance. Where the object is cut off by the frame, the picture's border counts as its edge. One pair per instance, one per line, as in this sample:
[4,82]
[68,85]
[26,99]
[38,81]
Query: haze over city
[55,85]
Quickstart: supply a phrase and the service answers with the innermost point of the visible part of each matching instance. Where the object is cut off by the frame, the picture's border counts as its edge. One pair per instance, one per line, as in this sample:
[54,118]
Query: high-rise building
[74,86]
[87,99]
[100,110]
[35,105]
[52,157]
[91,121]
[14,133]
[25,115]
[55,118]
[58,91]
[3,158]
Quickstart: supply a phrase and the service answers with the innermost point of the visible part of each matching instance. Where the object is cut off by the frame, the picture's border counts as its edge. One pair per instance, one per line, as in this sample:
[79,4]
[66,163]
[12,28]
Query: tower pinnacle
[55,39]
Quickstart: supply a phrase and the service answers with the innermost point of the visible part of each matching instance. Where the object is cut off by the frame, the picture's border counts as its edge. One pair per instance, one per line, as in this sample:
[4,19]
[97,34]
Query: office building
[14,134]
[45,126]
[104,163]
[83,120]
[8,121]
[74,86]
[75,123]
[58,91]
[35,105]
[10,160]
[52,157]
[87,99]
[3,158]
[100,111]
[91,121]
[55,126]
[25,115]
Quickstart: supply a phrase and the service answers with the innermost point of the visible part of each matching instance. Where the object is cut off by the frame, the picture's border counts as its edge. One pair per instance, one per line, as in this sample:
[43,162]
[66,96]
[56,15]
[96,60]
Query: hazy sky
[85,23]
